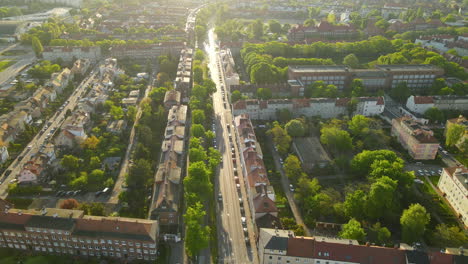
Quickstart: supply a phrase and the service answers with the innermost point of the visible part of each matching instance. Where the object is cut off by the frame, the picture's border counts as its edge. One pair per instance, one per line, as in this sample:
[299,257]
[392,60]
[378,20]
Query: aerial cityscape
[234,131]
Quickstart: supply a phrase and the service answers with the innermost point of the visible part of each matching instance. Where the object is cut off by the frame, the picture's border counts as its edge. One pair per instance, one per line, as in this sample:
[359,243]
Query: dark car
[7,172]
[59,193]
[98,193]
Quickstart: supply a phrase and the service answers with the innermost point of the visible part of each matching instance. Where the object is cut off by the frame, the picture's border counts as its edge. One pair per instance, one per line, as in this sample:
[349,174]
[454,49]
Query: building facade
[68,54]
[417,77]
[150,51]
[419,140]
[420,104]
[321,107]
[259,191]
[461,120]
[70,232]
[454,185]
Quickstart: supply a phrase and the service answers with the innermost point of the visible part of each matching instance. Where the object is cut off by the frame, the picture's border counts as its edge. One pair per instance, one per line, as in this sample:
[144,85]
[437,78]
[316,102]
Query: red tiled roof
[240,105]
[358,254]
[440,258]
[14,218]
[302,247]
[423,100]
[263,204]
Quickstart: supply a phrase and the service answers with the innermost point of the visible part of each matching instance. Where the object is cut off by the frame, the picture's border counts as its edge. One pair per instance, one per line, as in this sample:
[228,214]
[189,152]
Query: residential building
[171,98]
[3,154]
[69,54]
[130,101]
[420,104]
[323,30]
[419,140]
[453,183]
[393,9]
[116,126]
[183,80]
[311,153]
[231,77]
[134,94]
[73,130]
[60,80]
[322,107]
[80,66]
[260,193]
[282,246]
[167,180]
[418,77]
[73,3]
[461,120]
[33,168]
[148,51]
[70,232]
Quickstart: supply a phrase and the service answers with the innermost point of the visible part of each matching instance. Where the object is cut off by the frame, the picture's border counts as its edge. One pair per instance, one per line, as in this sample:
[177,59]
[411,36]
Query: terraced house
[62,231]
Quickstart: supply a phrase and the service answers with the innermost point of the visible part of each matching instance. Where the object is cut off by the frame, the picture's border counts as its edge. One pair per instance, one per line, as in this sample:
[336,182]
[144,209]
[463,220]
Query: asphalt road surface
[231,235]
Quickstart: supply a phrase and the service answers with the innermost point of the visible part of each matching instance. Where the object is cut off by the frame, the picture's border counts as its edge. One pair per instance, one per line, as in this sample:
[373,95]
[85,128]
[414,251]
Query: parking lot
[421,169]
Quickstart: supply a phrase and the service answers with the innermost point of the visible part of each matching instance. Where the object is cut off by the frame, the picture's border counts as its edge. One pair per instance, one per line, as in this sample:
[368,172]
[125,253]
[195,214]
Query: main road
[232,245]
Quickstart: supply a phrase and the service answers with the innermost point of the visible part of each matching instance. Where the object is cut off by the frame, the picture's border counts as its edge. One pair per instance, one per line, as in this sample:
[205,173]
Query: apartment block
[149,51]
[322,107]
[283,247]
[461,120]
[68,54]
[417,77]
[323,30]
[70,232]
[420,104]
[454,185]
[419,140]
[259,191]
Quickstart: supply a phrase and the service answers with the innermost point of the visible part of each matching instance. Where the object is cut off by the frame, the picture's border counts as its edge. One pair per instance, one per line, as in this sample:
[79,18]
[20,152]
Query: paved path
[114,197]
[289,195]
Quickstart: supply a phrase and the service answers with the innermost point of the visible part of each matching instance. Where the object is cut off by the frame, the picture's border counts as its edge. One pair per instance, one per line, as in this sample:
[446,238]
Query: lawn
[14,53]
[5,64]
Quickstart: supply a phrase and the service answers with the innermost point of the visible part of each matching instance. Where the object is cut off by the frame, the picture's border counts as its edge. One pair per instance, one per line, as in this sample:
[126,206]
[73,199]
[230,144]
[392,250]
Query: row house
[69,54]
[33,169]
[229,68]
[171,98]
[167,187]
[183,80]
[70,232]
[453,184]
[80,66]
[60,80]
[322,107]
[417,77]
[260,193]
[420,104]
[400,26]
[282,247]
[12,124]
[419,140]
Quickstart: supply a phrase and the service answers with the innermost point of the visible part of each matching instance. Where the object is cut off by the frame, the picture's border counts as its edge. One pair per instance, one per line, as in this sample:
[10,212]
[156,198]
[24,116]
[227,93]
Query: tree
[200,32]
[90,143]
[357,88]
[162,78]
[401,92]
[295,128]
[353,230]
[434,115]
[337,140]
[70,162]
[380,200]
[292,167]
[197,75]
[197,154]
[449,236]
[354,204]
[331,18]
[284,115]
[80,182]
[362,162]
[197,235]
[257,29]
[69,204]
[199,55]
[96,178]
[198,116]
[236,96]
[264,73]
[394,170]
[274,26]
[37,46]
[197,130]
[454,133]
[351,60]
[139,175]
[413,222]
[382,234]
[359,125]
[264,93]
[197,181]
[281,138]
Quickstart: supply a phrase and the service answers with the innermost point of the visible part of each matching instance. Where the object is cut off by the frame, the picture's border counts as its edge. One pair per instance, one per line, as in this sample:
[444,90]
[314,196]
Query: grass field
[5,64]
[14,53]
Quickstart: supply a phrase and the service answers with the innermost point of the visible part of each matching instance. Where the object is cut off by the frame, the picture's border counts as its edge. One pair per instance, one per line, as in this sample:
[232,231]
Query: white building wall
[417,108]
[456,194]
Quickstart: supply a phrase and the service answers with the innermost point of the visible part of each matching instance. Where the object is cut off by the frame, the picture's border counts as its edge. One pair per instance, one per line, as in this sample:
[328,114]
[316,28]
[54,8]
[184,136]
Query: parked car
[244,222]
[220,197]
[7,172]
[291,187]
